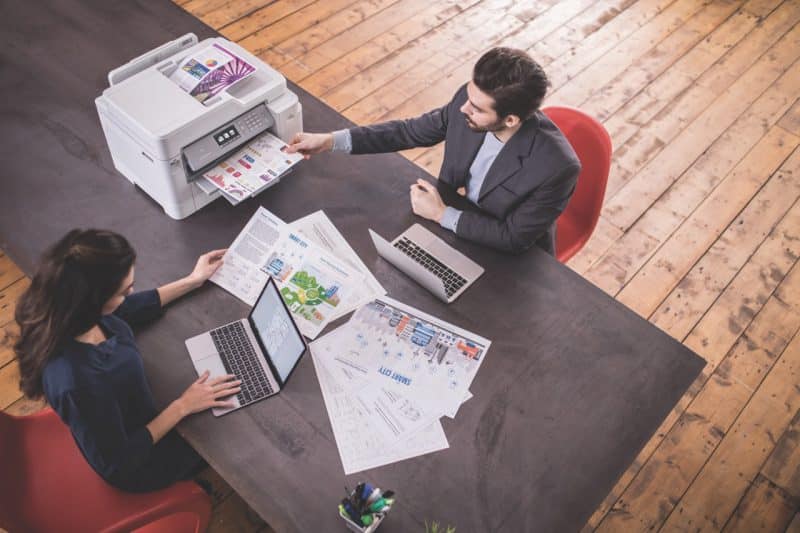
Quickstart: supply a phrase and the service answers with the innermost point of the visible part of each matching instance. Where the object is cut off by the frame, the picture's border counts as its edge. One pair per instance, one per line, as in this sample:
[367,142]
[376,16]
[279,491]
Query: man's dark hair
[515,81]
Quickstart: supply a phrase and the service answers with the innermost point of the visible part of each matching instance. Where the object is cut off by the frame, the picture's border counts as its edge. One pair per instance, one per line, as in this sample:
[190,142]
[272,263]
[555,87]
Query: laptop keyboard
[452,281]
[240,359]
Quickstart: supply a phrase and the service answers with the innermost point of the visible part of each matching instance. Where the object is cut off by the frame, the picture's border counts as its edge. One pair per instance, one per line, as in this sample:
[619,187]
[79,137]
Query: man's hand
[426,201]
[310,143]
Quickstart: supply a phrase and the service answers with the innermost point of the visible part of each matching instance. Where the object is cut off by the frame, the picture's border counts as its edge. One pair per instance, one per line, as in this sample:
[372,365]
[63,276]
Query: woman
[77,349]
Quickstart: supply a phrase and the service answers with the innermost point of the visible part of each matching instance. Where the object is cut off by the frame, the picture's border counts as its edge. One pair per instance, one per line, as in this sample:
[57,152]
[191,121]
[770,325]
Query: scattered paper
[419,356]
[362,446]
[318,228]
[240,273]
[388,375]
[394,415]
[315,285]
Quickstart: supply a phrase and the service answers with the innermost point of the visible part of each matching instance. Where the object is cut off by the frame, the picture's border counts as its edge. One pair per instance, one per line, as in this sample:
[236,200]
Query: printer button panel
[221,141]
[254,121]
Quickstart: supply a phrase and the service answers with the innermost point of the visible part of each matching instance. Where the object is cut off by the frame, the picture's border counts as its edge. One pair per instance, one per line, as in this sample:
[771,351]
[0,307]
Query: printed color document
[209,71]
[253,168]
[361,445]
[419,356]
[316,285]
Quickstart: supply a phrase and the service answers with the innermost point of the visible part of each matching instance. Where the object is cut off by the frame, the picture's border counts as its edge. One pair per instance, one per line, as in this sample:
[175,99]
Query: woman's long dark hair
[76,277]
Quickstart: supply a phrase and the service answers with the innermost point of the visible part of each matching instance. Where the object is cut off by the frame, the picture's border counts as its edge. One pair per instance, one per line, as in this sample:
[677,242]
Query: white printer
[162,138]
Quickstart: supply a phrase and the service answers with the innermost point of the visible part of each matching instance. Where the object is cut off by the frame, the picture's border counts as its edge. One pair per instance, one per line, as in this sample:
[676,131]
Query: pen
[377,505]
[351,512]
[357,495]
[376,495]
[366,491]
[381,504]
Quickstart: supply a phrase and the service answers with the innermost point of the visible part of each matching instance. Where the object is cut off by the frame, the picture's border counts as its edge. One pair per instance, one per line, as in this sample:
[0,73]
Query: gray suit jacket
[525,190]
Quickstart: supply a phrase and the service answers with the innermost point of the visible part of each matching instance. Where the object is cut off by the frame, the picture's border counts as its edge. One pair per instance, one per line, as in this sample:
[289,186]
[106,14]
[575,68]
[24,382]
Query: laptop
[262,350]
[429,261]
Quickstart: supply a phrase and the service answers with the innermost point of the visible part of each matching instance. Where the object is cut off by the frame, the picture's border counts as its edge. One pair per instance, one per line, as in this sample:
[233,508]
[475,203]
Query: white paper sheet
[396,346]
[394,416]
[361,447]
[240,273]
[313,283]
[318,228]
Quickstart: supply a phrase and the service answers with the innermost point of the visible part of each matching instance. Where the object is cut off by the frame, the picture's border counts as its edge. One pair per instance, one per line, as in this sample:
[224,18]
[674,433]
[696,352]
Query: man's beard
[493,127]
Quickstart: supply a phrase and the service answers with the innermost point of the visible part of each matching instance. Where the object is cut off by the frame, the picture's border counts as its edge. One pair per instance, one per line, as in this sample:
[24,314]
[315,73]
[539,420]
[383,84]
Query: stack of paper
[388,375]
[319,280]
[253,168]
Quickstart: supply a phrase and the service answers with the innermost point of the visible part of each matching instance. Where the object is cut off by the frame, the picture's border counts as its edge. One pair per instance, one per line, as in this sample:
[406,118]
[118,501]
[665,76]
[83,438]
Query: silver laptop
[430,261]
[262,350]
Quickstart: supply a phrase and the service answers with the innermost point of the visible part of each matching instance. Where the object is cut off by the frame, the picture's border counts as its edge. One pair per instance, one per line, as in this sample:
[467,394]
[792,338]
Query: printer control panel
[222,141]
[227,135]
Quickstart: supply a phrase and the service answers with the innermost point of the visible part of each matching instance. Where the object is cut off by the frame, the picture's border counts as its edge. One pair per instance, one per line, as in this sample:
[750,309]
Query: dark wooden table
[574,384]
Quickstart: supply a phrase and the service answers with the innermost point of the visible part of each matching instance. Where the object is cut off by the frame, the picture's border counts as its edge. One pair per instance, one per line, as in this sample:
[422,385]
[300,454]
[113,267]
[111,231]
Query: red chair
[47,485]
[591,142]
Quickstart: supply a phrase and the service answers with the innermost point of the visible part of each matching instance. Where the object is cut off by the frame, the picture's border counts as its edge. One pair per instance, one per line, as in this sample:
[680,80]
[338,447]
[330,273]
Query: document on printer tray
[209,71]
[252,168]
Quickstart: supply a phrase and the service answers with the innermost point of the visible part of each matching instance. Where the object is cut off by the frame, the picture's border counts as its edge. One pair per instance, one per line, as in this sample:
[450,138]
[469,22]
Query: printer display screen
[226,135]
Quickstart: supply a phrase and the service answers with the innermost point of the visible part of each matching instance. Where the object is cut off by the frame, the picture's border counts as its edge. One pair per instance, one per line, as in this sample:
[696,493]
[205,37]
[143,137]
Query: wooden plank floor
[700,233]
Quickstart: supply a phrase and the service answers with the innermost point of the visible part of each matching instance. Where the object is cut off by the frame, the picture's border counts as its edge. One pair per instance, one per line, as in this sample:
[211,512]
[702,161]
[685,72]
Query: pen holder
[352,526]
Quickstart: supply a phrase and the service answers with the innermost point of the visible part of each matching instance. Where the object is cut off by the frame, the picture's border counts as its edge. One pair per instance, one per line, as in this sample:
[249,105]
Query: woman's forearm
[206,265]
[176,289]
[166,420]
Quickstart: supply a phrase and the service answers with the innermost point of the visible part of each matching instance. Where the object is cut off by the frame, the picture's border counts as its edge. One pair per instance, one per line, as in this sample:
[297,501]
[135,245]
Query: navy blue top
[101,392]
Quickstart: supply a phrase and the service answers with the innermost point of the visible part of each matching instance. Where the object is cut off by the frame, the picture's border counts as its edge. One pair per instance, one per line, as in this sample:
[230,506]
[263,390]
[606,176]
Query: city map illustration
[413,353]
[309,292]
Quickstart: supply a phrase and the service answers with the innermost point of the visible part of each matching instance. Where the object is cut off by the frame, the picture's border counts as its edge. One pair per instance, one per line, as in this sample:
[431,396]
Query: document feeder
[162,139]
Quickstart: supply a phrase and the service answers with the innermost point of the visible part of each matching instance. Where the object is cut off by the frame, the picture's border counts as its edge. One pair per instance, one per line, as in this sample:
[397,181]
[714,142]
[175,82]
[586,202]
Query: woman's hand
[201,395]
[206,393]
[206,265]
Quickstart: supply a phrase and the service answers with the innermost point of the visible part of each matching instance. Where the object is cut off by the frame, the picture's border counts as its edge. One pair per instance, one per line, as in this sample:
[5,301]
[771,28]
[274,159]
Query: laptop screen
[277,330]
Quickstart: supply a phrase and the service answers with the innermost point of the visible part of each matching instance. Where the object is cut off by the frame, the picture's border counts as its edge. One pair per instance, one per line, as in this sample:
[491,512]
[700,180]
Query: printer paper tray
[210,188]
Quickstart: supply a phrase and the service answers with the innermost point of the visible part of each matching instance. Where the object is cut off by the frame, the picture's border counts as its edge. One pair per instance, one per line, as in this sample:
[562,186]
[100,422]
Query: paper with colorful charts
[421,357]
[315,285]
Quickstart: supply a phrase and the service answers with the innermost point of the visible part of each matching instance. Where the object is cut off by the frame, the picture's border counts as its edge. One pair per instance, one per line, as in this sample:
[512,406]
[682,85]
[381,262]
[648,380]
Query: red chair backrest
[592,144]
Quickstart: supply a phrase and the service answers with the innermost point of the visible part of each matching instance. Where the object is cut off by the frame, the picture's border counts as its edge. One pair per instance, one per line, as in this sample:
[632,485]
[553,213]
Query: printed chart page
[316,285]
[361,446]
[419,356]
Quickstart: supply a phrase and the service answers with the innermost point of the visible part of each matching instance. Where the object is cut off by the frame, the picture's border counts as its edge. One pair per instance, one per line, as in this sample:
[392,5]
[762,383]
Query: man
[505,155]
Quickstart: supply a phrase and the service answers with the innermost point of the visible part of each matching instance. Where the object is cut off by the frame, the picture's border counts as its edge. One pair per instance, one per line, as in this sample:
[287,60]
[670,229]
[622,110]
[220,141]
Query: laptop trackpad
[212,363]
